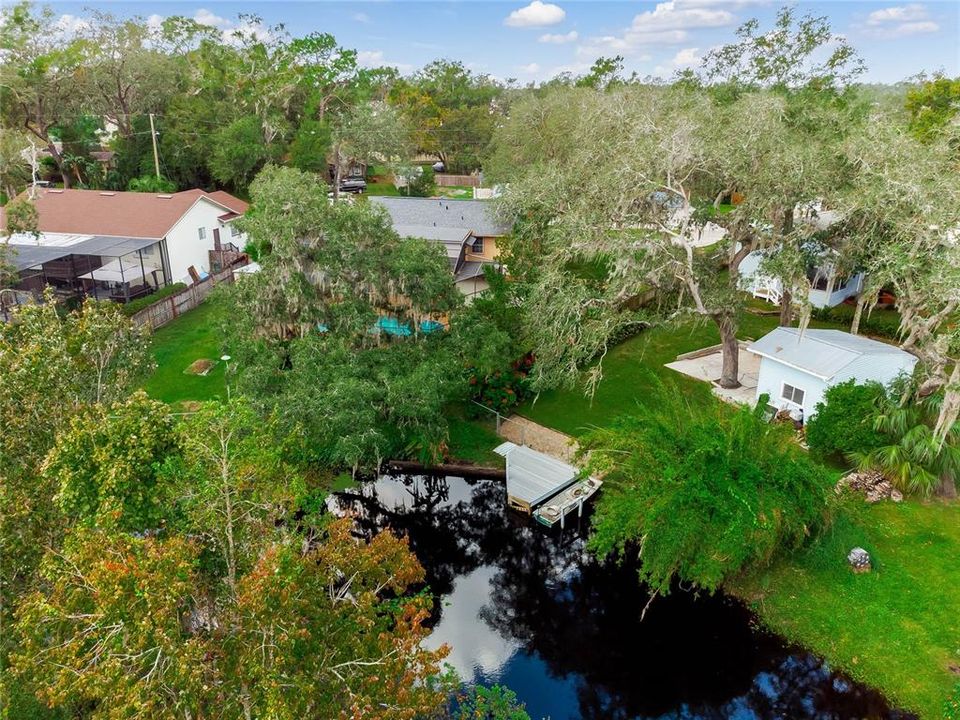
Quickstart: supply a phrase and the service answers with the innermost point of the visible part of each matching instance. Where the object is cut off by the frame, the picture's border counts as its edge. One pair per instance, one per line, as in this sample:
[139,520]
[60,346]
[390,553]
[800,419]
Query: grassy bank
[192,336]
[896,628]
[630,369]
[472,440]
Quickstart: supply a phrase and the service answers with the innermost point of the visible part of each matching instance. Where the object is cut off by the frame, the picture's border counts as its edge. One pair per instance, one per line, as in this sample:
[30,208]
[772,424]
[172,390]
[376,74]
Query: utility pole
[153,137]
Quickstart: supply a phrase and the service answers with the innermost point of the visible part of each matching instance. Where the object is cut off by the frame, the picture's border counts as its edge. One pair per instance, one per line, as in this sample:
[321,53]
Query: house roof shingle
[119,214]
[476,216]
[823,353]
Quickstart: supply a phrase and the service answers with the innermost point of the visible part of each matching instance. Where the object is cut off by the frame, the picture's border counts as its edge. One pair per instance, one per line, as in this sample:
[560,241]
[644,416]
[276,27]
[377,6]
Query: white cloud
[375,58]
[560,38]
[205,17]
[680,15]
[70,25]
[669,23]
[370,58]
[536,14]
[897,14]
[531,69]
[361,17]
[685,58]
[899,21]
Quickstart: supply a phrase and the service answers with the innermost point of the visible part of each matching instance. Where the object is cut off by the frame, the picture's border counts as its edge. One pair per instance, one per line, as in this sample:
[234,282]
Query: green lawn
[473,440]
[382,188]
[896,628]
[629,370]
[192,336]
[456,192]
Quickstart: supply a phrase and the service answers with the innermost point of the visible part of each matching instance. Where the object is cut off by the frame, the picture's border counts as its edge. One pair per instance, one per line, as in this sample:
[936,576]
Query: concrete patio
[706,365]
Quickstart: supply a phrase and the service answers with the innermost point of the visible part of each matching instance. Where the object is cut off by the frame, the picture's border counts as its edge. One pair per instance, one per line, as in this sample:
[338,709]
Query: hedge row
[135,306]
[883,323]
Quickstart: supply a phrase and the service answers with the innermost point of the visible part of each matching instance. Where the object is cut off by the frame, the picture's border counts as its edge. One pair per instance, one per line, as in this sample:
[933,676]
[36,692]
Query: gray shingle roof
[475,216]
[823,353]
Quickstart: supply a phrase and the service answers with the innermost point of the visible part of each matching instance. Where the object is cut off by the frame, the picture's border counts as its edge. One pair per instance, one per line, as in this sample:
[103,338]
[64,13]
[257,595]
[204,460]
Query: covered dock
[533,477]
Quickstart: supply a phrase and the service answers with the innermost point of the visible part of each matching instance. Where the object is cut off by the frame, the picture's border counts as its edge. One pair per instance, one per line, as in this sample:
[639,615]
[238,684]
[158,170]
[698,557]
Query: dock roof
[532,476]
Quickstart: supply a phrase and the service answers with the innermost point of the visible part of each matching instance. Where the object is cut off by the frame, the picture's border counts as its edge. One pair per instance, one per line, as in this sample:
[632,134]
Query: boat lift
[542,486]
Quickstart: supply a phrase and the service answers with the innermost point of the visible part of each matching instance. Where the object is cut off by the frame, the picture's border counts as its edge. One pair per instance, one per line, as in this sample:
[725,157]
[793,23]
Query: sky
[535,40]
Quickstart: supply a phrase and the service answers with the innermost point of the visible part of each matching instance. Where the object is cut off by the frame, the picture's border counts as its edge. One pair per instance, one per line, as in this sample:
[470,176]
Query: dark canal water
[532,610]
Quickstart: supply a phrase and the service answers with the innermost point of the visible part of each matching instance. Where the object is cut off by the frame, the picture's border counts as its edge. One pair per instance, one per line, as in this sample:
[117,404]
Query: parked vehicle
[353,185]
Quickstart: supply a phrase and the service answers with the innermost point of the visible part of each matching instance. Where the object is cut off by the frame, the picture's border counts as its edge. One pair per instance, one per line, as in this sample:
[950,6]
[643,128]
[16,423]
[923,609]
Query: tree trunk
[58,159]
[786,308]
[730,374]
[948,487]
[336,174]
[857,314]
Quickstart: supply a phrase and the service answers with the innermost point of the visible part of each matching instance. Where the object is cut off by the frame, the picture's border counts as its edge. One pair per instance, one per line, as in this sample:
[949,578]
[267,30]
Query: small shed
[533,477]
[797,368]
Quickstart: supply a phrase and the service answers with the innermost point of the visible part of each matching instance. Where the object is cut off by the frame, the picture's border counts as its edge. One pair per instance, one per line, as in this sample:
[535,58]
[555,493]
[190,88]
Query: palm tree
[914,459]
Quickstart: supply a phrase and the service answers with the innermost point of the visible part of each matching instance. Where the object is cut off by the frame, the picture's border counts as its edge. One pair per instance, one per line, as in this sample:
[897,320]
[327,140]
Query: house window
[792,394]
[478,246]
[233,230]
[202,233]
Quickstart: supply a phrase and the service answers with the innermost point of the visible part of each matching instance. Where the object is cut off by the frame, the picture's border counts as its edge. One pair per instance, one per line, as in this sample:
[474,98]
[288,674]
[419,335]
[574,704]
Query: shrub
[700,495]
[843,423]
[132,308]
[151,184]
[882,323]
[501,390]
[423,185]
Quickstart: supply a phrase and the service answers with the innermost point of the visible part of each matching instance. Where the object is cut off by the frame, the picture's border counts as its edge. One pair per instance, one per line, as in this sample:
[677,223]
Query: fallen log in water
[457,470]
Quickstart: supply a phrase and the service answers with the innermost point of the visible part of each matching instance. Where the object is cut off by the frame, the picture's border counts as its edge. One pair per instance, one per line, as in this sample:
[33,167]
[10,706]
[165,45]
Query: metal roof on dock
[532,476]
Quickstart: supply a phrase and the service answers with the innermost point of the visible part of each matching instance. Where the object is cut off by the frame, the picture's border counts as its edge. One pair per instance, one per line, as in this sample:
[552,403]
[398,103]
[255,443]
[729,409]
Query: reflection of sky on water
[533,611]
[477,651]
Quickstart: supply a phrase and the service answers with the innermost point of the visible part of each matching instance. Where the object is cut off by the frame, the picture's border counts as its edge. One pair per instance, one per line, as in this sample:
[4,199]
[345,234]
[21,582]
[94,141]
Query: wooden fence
[167,309]
[444,180]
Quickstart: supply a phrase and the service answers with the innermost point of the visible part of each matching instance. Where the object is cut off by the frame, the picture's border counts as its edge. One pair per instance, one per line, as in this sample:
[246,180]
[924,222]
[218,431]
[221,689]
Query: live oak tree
[453,112]
[42,83]
[650,222]
[130,74]
[306,340]
[335,264]
[366,133]
[903,213]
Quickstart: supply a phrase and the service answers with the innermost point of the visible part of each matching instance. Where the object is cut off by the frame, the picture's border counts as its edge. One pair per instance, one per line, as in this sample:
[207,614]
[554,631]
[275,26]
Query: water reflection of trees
[581,617]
